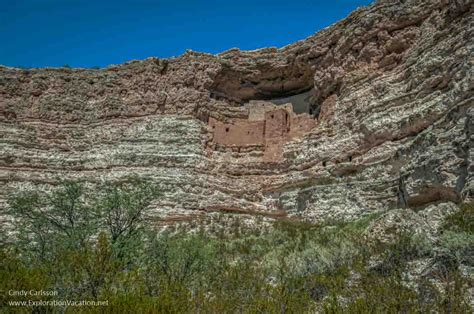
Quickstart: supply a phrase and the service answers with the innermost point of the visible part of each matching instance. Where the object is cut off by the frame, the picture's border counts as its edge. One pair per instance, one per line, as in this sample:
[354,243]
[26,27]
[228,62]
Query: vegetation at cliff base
[98,244]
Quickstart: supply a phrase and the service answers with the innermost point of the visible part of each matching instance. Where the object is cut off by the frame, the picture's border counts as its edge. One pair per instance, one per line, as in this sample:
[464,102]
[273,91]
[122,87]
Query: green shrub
[98,245]
[456,243]
[462,220]
[459,246]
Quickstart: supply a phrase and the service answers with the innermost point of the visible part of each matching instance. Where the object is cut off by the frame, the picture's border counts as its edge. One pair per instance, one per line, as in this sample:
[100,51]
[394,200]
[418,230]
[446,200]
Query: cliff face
[386,120]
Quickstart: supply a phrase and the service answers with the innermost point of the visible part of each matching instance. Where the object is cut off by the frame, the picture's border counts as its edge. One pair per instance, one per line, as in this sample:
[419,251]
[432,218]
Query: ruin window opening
[350,158]
[324,163]
[227,129]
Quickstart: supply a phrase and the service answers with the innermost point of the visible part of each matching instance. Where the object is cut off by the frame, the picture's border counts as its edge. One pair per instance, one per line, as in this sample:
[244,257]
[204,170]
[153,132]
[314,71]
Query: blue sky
[80,33]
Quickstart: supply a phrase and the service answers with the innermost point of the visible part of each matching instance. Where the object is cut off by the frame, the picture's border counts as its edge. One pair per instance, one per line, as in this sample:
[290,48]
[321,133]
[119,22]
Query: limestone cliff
[384,120]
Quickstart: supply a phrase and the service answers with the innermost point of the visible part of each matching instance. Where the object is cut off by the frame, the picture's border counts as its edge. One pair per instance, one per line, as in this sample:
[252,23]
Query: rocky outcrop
[390,91]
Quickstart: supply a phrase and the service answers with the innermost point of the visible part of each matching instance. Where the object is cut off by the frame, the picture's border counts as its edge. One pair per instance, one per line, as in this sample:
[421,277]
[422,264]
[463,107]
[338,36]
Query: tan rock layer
[391,88]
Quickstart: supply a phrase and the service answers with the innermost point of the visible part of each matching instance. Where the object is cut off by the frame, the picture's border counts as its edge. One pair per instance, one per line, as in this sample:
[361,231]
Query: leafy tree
[66,232]
[46,222]
[123,206]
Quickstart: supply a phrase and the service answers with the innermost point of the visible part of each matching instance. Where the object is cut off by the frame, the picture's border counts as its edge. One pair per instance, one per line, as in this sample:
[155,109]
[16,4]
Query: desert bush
[459,246]
[98,245]
[395,256]
[181,260]
[456,242]
[462,220]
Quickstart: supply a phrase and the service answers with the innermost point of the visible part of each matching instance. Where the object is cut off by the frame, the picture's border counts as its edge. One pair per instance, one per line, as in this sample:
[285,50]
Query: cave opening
[302,102]
[302,97]
[292,83]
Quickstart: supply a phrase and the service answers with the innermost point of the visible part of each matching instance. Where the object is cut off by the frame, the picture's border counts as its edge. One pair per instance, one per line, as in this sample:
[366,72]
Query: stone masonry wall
[267,125]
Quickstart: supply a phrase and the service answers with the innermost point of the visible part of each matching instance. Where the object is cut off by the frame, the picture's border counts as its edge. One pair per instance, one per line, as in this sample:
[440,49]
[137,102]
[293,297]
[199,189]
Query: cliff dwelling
[267,126]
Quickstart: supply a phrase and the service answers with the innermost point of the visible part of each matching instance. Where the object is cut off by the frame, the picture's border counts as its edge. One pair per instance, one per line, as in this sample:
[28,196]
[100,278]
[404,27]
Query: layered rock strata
[389,121]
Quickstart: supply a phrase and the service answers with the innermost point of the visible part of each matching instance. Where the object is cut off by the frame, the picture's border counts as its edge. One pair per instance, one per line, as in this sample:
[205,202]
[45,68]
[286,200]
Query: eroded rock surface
[389,94]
